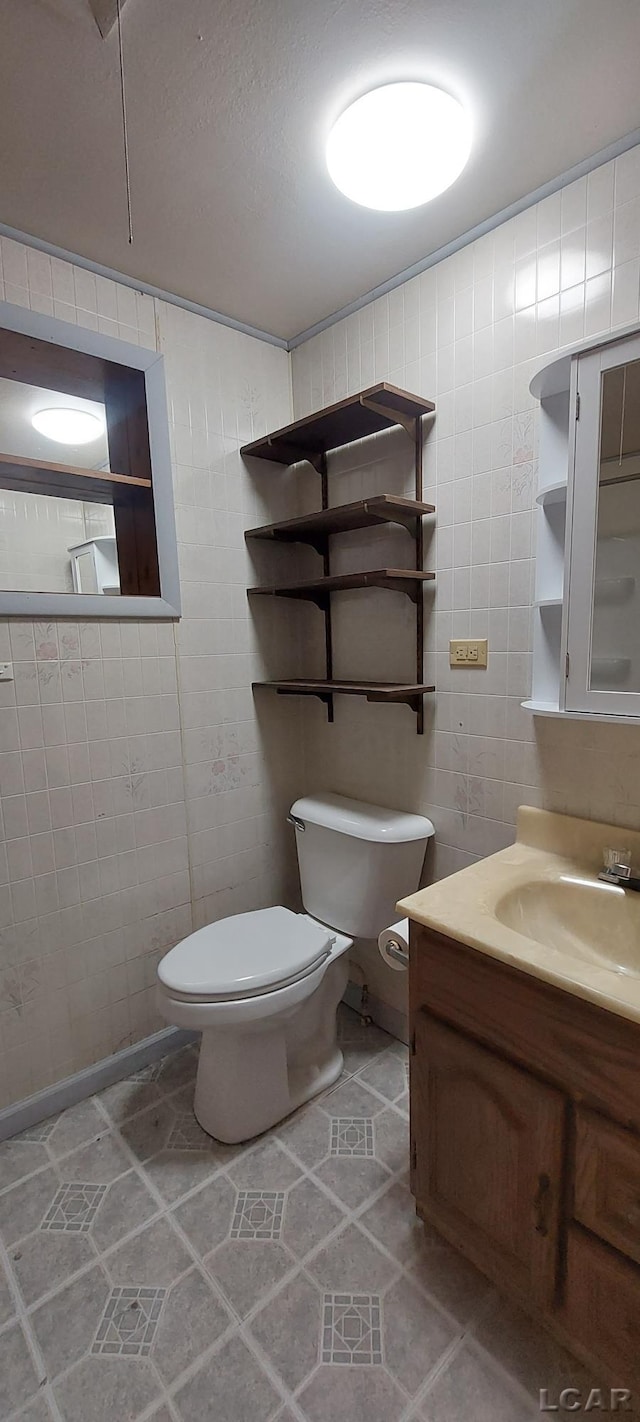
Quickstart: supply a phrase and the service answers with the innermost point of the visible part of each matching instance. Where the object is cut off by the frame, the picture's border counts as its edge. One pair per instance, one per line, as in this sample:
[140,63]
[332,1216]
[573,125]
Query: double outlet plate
[463,653]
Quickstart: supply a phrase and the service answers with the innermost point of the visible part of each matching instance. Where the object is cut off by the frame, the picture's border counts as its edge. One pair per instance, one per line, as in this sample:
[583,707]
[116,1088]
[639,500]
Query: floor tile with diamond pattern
[151,1274]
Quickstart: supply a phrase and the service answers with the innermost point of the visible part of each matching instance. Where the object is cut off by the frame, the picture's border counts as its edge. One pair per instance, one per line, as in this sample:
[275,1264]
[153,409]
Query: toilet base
[249,1080]
[257,1102]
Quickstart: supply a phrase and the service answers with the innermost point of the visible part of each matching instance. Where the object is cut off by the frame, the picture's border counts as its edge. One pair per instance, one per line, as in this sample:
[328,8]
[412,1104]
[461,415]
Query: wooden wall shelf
[315,528]
[380,407]
[382,691]
[404,580]
[63,481]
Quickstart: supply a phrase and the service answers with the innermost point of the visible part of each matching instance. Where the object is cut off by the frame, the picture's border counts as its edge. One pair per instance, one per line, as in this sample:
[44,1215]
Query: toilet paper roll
[393,944]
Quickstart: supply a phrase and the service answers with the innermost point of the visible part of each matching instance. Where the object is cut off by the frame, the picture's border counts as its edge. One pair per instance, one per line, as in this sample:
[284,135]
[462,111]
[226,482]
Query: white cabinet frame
[582,519]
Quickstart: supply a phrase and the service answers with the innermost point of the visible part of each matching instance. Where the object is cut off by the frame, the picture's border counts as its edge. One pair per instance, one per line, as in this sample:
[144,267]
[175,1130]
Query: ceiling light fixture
[399,146]
[68,426]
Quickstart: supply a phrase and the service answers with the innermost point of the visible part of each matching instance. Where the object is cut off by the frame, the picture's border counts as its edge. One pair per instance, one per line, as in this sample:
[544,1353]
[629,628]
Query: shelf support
[326,696]
[299,455]
[326,564]
[419,545]
[407,421]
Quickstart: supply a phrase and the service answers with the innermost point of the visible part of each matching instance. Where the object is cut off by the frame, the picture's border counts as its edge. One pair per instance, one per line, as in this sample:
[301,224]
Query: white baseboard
[389,1018]
[55,1098]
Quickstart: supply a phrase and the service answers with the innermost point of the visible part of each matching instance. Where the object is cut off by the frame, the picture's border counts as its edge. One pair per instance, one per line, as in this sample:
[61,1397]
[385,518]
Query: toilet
[263,987]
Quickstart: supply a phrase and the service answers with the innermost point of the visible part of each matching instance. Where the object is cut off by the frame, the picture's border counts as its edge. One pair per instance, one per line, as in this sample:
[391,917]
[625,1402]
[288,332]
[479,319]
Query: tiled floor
[151,1273]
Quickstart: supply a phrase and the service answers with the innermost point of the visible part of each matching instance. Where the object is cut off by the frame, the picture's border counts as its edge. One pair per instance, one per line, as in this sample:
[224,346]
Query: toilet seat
[245,955]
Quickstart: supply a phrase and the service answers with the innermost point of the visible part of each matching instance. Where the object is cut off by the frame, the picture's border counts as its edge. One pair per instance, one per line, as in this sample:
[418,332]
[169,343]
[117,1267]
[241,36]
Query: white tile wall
[471,332]
[140,794]
[142,789]
[36,533]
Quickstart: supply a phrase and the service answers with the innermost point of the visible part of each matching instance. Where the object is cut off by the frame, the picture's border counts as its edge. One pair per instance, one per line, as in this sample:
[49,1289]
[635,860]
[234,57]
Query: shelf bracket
[320,545]
[408,422]
[411,590]
[410,521]
[298,455]
[415,703]
[325,696]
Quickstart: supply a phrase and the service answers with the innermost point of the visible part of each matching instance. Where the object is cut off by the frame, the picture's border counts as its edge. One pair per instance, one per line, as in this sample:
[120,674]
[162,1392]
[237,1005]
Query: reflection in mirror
[77,510]
[56,545]
[52,544]
[36,423]
[615,633]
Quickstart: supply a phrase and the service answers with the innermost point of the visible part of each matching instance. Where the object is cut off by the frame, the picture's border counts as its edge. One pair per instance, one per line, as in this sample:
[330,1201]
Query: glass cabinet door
[603,630]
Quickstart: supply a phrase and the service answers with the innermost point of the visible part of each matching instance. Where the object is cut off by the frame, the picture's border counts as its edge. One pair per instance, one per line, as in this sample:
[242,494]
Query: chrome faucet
[617,869]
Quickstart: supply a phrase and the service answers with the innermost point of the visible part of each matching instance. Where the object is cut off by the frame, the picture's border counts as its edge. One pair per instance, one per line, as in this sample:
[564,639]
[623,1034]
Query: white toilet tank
[356,861]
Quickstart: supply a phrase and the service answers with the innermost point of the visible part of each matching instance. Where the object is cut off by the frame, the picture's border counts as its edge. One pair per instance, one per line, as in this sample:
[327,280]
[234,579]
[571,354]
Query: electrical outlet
[463,653]
[6,671]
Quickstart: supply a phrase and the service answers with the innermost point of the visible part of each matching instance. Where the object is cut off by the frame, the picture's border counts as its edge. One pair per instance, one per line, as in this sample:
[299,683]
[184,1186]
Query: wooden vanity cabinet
[525,1129]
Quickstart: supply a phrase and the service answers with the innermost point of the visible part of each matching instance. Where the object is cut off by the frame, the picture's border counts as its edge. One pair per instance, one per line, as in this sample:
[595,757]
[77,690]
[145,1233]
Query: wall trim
[579,170]
[62,1094]
[571,175]
[123,279]
[390,1019]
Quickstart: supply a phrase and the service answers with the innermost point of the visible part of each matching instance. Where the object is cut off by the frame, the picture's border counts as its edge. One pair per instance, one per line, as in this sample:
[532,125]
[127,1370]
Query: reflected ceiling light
[399,146]
[68,426]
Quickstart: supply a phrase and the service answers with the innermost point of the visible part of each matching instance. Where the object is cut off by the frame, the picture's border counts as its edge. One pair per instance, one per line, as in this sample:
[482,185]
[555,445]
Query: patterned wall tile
[107,856]
[471,332]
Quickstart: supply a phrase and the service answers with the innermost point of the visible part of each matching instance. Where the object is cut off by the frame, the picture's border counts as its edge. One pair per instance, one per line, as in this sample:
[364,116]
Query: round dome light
[399,146]
[68,426]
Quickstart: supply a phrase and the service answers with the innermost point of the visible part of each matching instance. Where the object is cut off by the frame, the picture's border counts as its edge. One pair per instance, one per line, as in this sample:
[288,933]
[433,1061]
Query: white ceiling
[229,102]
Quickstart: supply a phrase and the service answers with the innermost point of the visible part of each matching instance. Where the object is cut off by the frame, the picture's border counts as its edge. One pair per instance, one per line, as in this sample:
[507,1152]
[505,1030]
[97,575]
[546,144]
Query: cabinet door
[489,1152]
[601,1308]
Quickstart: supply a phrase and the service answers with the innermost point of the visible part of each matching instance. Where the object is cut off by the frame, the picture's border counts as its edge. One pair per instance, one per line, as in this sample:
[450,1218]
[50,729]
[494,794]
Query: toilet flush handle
[298,824]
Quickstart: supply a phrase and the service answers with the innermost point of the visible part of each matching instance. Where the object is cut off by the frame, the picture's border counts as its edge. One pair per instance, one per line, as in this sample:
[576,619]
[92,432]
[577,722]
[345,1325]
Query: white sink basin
[583,917]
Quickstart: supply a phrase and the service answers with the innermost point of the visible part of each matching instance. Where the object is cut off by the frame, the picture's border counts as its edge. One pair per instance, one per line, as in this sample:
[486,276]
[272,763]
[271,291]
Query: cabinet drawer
[607,1181]
[602,1306]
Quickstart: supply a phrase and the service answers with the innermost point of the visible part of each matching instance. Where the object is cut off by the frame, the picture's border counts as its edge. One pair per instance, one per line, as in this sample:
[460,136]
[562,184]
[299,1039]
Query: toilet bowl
[264,987]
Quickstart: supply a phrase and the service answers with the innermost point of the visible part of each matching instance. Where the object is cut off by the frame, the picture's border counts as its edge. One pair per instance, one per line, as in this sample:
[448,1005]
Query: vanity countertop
[540,907]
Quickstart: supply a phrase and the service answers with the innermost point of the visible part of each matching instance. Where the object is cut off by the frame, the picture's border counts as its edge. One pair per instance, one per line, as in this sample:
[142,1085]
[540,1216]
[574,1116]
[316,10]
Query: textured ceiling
[229,102]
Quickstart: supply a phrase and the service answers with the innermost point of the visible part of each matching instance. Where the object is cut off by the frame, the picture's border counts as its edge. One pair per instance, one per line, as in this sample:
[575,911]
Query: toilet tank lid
[361,820]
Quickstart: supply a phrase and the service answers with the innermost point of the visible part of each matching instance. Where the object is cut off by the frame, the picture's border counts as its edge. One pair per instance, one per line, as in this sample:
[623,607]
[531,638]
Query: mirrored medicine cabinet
[586,649]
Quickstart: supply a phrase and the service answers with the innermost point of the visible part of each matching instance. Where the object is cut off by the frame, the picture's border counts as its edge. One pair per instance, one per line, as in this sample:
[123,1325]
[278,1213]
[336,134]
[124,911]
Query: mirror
[615,628]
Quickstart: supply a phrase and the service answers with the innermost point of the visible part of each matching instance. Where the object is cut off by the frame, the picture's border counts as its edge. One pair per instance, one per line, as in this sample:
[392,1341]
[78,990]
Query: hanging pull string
[125,130]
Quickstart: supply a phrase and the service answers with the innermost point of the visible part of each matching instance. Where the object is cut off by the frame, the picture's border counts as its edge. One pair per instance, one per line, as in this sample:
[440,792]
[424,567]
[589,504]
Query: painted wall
[471,332]
[141,795]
